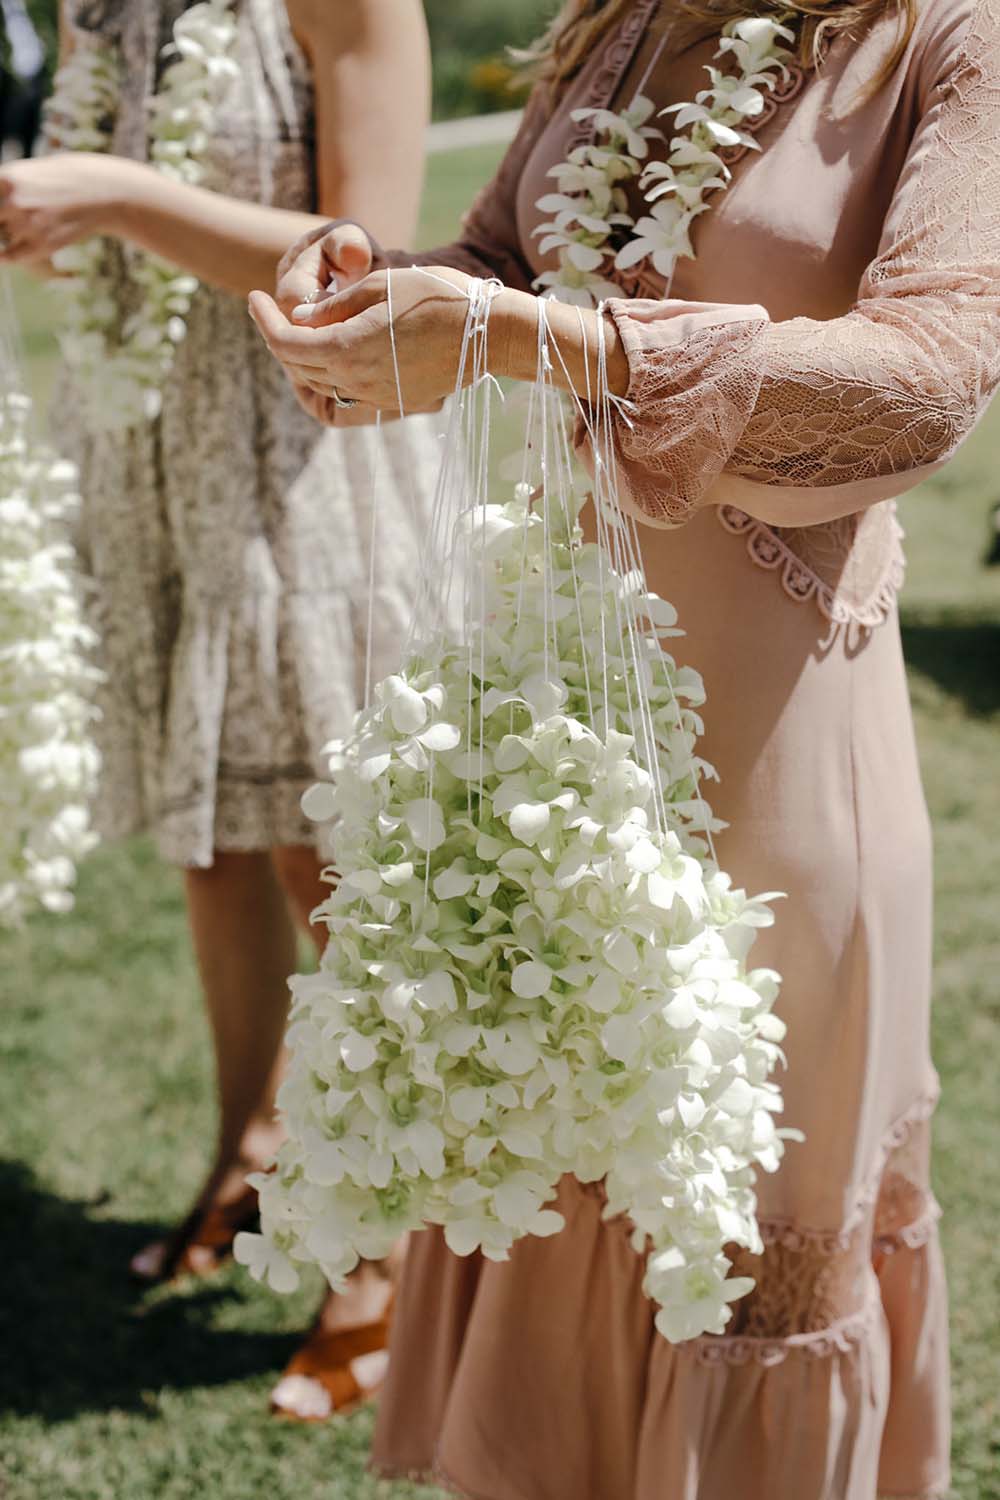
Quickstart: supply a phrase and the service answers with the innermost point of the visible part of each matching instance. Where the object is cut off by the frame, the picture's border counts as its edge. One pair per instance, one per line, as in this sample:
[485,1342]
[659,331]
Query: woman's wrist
[576,335]
[514,334]
[128,193]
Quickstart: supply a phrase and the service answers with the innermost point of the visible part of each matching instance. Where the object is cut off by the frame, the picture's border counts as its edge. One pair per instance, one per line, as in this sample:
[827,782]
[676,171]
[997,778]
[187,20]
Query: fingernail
[303,312]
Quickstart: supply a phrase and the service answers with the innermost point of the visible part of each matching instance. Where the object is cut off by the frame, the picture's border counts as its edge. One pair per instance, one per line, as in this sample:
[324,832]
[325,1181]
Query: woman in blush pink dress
[833,338]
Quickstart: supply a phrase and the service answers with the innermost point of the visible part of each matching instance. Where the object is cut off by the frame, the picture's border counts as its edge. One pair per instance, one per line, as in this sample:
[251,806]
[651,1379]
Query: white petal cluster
[48,763]
[590,208]
[677,189]
[534,968]
[590,204]
[122,357]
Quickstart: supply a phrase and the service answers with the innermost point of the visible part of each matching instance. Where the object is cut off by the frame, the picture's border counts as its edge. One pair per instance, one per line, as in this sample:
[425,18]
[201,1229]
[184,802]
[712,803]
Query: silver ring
[344,402]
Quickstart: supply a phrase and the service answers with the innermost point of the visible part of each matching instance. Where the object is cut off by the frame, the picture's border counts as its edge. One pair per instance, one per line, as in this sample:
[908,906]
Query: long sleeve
[804,421]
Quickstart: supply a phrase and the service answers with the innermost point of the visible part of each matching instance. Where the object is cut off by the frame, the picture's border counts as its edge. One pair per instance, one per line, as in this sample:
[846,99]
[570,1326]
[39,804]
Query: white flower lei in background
[591,205]
[121,360]
[48,763]
[534,967]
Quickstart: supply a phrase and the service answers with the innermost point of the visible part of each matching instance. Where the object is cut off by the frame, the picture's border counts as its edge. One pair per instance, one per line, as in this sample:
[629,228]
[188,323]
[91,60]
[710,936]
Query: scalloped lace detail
[853,567]
[618,54]
[816,1291]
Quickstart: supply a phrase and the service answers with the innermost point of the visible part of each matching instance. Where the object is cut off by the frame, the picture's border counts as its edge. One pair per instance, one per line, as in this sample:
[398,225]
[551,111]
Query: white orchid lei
[121,357]
[48,762]
[593,230]
[534,967]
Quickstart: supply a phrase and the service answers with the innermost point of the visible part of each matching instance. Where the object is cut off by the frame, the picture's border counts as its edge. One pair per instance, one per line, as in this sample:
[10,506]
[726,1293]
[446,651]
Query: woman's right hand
[323,262]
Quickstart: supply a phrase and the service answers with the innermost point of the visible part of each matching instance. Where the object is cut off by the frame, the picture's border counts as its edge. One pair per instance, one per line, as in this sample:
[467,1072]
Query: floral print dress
[228,545]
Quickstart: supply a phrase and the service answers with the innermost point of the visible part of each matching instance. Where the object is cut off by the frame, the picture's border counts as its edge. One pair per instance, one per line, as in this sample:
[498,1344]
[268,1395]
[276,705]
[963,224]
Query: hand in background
[323,262]
[53,201]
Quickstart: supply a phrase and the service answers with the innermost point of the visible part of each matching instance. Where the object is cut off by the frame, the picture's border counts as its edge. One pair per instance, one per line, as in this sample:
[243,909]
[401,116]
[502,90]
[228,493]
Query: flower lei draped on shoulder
[121,357]
[592,229]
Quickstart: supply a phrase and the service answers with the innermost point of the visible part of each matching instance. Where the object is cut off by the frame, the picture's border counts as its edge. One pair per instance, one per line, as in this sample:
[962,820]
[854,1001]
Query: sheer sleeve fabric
[802,422]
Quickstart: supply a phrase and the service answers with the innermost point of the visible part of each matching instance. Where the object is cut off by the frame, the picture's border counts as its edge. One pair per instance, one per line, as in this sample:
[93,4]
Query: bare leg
[245,944]
[300,872]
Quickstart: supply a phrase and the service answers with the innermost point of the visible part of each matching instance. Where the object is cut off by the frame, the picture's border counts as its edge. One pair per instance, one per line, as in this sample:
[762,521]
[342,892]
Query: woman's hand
[323,262]
[348,351]
[54,201]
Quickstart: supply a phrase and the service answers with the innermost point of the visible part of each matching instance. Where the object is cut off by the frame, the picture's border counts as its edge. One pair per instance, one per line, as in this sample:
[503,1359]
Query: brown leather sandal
[202,1243]
[334,1372]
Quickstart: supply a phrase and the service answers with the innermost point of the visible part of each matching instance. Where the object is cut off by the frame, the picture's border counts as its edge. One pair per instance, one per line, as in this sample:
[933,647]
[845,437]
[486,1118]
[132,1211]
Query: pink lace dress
[832,342]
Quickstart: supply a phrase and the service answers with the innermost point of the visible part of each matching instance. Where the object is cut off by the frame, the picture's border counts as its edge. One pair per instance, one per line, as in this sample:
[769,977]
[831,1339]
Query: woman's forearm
[576,334]
[224,241]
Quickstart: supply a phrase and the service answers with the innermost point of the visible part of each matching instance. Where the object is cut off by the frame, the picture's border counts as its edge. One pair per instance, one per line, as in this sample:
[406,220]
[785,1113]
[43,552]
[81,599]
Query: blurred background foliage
[472,72]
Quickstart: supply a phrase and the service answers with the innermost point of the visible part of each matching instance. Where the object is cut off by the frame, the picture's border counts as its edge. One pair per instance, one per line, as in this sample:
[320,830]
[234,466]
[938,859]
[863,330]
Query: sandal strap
[214,1228]
[336,1349]
[222,1222]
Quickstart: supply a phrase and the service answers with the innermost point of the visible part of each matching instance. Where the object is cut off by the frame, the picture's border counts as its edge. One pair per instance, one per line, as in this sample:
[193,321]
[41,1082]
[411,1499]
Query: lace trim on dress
[837,1338]
[816,1291]
[608,77]
[838,597]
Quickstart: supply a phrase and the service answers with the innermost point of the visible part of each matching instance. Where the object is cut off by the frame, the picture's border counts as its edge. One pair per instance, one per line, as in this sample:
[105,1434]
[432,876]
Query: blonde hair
[582,25]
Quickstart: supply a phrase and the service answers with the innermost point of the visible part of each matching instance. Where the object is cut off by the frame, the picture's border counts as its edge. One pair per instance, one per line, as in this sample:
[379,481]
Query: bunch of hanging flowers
[593,231]
[534,966]
[48,762]
[121,356]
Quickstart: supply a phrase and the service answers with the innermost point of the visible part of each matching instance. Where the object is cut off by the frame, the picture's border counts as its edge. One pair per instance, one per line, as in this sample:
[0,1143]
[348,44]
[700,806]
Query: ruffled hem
[440,1480]
[480,1351]
[435,1476]
[215,750]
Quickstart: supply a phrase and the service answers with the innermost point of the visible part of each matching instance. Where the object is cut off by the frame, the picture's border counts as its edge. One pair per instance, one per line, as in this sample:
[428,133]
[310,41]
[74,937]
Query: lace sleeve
[489,244]
[806,421]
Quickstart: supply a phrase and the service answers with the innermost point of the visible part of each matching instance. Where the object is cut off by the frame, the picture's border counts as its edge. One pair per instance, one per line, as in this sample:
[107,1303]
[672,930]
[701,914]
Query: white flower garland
[121,359]
[48,763]
[533,967]
[591,205]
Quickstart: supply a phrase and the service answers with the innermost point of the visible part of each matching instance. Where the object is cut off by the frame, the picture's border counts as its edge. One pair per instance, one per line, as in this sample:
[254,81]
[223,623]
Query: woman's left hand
[54,201]
[342,345]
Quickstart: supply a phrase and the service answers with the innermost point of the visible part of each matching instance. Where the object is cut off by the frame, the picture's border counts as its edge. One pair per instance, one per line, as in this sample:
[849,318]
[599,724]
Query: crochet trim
[768,550]
[792,1236]
[838,1338]
[618,55]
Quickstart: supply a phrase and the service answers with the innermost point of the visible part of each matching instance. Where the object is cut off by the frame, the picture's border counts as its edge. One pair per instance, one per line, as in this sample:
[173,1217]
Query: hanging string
[463,486]
[618,540]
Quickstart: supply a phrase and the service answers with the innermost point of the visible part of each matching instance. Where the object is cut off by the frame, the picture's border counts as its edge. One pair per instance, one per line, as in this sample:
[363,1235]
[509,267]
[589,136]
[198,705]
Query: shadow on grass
[962,658]
[78,1336]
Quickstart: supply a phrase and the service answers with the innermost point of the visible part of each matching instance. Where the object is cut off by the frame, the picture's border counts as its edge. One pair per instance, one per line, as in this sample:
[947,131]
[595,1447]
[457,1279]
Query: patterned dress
[228,544]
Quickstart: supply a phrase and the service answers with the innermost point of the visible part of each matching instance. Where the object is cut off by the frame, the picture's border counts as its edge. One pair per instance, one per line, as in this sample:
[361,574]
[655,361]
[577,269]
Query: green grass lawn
[106,1107]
